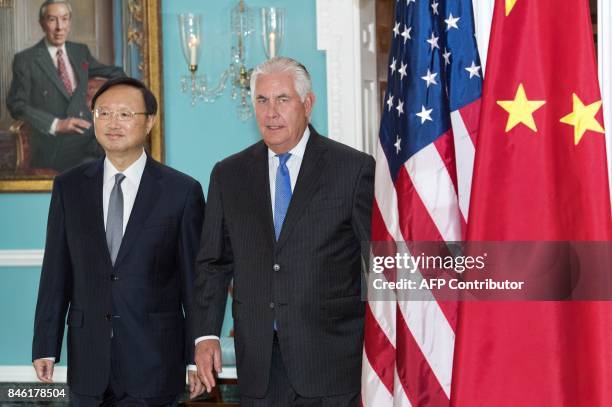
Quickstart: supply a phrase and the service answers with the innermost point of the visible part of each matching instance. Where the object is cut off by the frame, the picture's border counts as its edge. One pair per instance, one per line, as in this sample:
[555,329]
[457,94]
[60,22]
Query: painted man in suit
[48,92]
[285,219]
[122,237]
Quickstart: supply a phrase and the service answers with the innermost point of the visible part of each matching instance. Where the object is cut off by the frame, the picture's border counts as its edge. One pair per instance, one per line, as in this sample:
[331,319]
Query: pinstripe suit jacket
[141,298]
[308,280]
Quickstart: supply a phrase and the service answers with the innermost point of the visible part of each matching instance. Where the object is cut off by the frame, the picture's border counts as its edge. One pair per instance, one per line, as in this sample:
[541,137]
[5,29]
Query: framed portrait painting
[120,35]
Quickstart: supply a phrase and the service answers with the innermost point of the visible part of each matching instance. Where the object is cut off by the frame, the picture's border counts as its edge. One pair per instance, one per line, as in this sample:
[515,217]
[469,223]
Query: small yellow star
[509,6]
[521,109]
[583,118]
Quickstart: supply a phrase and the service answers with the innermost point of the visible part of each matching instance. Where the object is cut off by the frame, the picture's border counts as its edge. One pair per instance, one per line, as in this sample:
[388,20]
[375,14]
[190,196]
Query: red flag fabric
[540,175]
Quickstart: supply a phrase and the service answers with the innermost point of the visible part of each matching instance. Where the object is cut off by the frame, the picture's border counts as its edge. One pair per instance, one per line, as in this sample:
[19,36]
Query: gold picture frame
[148,12]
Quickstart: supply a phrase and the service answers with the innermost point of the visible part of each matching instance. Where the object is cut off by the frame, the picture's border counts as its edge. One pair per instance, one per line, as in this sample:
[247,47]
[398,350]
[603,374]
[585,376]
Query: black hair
[147,95]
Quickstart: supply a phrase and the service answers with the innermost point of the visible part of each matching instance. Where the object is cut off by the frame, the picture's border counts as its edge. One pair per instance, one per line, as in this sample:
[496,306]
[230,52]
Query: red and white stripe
[408,346]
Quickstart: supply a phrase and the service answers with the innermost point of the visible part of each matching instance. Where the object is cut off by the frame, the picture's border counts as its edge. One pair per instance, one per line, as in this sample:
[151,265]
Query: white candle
[272,44]
[193,51]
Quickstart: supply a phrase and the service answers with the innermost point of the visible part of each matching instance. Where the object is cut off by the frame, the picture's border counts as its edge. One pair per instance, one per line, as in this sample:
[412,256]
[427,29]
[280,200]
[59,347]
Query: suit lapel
[75,58]
[260,190]
[43,59]
[312,167]
[146,198]
[92,195]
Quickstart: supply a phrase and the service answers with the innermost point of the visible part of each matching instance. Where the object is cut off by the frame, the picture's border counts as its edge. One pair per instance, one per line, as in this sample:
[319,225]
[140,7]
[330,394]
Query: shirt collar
[300,147]
[132,173]
[53,49]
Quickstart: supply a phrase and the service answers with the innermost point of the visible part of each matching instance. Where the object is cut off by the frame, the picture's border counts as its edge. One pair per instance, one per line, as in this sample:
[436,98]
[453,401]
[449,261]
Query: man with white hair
[285,220]
[49,93]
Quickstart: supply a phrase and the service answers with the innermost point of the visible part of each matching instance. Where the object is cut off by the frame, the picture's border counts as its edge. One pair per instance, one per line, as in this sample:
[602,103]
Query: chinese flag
[540,175]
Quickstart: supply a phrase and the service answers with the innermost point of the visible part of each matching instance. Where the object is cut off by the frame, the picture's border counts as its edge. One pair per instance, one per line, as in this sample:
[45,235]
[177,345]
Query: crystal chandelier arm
[210,94]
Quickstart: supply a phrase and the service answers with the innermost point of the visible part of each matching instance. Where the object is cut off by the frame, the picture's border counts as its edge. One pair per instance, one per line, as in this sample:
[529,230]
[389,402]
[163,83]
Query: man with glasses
[122,236]
[49,92]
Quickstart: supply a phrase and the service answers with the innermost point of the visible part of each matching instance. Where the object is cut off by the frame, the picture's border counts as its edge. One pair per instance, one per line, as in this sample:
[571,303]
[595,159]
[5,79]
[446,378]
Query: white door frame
[604,52]
[338,33]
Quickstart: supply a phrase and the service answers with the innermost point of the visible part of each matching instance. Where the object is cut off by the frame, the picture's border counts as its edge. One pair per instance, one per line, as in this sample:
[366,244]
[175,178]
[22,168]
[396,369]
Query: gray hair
[42,12]
[301,77]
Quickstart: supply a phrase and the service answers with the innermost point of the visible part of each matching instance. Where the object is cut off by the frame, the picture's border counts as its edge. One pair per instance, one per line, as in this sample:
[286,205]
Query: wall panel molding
[21,258]
[26,374]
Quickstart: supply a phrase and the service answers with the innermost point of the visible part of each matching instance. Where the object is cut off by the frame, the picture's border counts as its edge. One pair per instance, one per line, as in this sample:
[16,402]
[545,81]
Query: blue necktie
[282,195]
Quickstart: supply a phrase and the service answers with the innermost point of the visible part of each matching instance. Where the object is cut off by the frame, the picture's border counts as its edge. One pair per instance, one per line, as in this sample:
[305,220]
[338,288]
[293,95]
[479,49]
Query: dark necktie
[114,219]
[282,195]
[63,71]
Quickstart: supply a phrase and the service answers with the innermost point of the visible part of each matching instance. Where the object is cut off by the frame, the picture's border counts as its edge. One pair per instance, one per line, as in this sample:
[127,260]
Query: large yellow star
[521,109]
[509,6]
[583,118]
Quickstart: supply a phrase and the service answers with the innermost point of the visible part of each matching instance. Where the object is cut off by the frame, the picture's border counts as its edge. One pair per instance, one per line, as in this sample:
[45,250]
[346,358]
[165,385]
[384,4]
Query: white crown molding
[21,258]
[339,37]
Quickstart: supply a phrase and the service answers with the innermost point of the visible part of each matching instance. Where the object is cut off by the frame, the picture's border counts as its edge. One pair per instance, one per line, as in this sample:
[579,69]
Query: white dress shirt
[71,75]
[129,186]
[293,165]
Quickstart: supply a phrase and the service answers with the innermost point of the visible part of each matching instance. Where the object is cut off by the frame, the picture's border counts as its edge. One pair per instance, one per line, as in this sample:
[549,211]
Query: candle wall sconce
[238,73]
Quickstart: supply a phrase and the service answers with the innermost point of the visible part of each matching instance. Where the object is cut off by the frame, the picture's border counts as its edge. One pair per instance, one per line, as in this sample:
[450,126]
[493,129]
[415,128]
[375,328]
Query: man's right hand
[44,370]
[72,125]
[207,357]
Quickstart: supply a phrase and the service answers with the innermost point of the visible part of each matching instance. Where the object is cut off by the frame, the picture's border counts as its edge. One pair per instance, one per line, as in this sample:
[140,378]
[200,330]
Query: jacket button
[108,317]
[114,277]
[276,267]
[272,305]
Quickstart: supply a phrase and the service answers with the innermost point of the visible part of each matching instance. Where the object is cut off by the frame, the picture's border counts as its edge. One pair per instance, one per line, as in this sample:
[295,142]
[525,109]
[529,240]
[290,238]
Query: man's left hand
[195,385]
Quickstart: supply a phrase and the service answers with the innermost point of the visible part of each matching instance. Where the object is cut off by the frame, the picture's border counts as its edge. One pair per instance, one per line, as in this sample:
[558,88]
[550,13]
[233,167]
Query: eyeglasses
[121,115]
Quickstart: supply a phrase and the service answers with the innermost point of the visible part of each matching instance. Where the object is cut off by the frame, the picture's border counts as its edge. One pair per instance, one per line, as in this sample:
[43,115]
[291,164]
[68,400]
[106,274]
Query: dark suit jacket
[143,297]
[308,281]
[38,96]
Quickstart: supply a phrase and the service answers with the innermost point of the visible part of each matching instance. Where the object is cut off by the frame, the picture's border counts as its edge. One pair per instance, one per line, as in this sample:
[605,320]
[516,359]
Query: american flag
[423,176]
